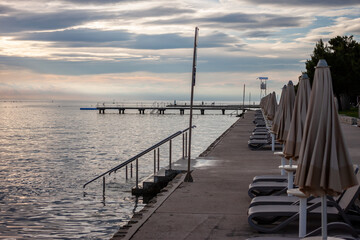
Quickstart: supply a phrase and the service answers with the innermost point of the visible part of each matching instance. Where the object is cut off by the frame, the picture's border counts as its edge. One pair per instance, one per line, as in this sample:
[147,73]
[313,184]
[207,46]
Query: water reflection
[48,152]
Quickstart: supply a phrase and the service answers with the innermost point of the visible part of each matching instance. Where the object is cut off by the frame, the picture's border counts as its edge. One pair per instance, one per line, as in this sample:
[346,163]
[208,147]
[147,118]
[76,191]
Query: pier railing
[135,159]
[131,104]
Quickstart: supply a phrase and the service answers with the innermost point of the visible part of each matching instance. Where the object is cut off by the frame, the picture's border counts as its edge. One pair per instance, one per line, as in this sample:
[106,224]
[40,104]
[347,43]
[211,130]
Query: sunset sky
[101,50]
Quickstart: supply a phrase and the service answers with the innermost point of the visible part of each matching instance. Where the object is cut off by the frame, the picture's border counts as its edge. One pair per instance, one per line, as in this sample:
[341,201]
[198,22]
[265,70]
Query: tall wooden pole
[188,177]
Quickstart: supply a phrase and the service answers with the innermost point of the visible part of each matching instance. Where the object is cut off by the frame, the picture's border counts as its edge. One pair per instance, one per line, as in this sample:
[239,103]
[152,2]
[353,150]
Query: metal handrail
[136,157]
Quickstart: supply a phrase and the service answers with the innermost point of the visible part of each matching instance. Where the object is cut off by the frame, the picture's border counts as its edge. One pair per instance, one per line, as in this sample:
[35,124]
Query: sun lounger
[265,218]
[284,178]
[285,200]
[270,178]
[256,144]
[260,133]
[282,200]
[260,136]
[272,185]
[267,188]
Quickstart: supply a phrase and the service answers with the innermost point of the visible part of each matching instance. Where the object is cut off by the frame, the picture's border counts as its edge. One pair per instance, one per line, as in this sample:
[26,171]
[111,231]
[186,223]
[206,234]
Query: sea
[49,149]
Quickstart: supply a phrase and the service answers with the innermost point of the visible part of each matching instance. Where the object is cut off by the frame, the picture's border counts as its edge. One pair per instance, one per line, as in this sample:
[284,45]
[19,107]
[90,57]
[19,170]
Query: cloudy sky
[142,49]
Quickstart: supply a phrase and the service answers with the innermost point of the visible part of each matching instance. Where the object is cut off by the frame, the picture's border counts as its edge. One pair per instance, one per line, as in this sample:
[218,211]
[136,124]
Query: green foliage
[343,56]
[353,112]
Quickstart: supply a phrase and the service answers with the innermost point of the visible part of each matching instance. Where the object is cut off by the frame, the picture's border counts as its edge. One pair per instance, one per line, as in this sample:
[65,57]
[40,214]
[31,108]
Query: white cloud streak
[136,47]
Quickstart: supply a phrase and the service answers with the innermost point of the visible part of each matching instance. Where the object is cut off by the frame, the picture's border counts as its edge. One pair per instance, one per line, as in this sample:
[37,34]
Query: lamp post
[188,177]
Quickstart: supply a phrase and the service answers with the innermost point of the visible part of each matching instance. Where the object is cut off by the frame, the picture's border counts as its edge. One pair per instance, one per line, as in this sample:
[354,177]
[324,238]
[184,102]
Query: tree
[343,56]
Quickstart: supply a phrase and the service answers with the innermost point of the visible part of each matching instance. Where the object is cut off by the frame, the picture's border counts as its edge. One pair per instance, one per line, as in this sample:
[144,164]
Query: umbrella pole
[302,217]
[323,217]
[290,180]
[283,162]
[273,142]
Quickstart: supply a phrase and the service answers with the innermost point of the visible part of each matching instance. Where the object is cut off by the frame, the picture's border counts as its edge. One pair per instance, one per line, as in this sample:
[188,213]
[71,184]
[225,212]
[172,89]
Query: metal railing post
[170,143]
[104,186]
[136,157]
[154,161]
[126,172]
[137,173]
[158,159]
[183,145]
[131,170]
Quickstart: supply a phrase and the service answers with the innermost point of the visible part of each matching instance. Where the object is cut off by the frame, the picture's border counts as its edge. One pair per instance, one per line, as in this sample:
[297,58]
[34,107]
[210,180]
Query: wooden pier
[160,108]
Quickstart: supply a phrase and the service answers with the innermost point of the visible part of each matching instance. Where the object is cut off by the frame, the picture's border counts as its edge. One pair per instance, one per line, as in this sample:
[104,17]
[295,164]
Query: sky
[117,50]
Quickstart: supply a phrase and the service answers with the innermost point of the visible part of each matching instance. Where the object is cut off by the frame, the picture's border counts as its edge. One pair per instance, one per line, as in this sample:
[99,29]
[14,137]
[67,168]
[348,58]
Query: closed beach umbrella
[285,117]
[267,104]
[294,137]
[265,101]
[324,165]
[272,106]
[279,111]
[262,103]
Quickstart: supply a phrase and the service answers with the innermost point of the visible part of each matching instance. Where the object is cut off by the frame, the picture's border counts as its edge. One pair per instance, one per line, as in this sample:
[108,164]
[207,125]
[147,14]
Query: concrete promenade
[215,205]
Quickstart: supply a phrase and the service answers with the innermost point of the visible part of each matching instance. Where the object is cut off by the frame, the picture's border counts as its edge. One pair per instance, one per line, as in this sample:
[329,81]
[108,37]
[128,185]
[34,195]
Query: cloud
[306,2]
[88,2]
[25,21]
[342,26]
[161,65]
[157,12]
[5,9]
[237,21]
[258,34]
[125,39]
[78,35]
[25,84]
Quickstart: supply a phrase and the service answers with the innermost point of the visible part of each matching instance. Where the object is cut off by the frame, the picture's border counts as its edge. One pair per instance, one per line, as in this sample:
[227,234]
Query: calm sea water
[48,150]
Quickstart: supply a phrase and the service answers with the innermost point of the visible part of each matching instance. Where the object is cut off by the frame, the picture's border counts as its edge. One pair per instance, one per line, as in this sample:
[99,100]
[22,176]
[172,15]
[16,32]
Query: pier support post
[223,111]
[202,111]
[182,111]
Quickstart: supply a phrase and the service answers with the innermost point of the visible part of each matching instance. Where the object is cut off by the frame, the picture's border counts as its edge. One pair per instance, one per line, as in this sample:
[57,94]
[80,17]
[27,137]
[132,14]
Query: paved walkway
[215,205]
